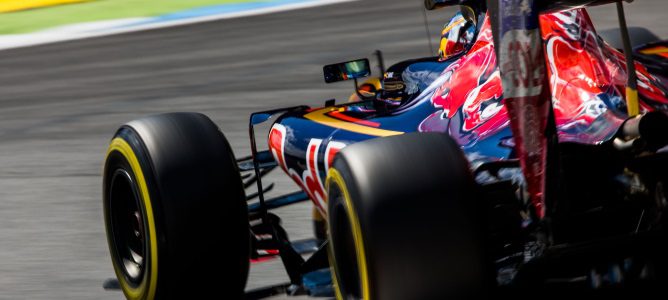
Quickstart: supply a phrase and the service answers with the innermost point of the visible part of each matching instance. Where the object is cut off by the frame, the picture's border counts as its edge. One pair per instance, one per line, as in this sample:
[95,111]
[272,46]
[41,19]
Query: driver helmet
[457,34]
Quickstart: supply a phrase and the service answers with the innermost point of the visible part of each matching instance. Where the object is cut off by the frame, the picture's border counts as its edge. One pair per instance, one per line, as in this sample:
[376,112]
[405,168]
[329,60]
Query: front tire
[175,209]
[403,220]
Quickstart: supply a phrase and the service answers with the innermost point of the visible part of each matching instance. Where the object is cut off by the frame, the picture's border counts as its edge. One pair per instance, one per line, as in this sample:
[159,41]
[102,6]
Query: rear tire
[403,220]
[175,209]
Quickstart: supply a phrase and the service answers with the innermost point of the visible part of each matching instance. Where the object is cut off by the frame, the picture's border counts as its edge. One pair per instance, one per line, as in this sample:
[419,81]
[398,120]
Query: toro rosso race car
[528,154]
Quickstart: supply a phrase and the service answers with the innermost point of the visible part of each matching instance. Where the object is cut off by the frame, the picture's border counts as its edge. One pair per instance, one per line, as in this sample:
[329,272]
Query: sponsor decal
[309,180]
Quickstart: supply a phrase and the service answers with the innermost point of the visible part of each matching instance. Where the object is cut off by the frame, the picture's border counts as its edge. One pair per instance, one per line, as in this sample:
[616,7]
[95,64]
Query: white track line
[83,31]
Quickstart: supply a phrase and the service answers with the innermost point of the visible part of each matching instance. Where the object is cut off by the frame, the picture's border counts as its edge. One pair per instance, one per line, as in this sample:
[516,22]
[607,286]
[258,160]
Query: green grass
[96,10]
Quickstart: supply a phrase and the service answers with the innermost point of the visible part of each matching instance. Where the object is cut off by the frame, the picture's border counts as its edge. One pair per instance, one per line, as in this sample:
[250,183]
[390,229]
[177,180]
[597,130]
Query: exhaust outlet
[644,132]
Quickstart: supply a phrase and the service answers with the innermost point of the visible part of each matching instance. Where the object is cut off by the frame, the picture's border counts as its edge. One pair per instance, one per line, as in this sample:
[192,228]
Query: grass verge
[96,10]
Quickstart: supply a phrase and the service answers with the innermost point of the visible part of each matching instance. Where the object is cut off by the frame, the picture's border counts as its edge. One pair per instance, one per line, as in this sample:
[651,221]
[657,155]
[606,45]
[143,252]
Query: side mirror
[436,4]
[346,70]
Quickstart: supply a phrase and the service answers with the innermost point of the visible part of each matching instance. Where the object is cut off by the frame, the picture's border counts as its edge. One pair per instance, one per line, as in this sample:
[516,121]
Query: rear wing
[654,56]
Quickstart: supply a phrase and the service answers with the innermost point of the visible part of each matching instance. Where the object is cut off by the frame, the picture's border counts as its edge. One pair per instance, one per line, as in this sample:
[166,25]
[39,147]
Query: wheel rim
[127,227]
[344,251]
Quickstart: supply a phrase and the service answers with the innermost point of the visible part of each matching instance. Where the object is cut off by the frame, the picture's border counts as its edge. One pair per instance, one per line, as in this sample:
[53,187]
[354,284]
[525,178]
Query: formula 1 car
[528,154]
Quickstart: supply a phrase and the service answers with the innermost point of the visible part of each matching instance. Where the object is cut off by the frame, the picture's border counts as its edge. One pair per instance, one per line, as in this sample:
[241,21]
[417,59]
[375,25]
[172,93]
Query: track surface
[60,104]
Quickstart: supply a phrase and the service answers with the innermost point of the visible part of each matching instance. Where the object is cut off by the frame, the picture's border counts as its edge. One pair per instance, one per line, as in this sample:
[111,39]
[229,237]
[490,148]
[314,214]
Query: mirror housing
[436,4]
[346,70]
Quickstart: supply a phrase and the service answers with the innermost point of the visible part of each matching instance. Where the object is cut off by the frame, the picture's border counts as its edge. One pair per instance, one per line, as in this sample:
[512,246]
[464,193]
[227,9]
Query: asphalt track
[60,104]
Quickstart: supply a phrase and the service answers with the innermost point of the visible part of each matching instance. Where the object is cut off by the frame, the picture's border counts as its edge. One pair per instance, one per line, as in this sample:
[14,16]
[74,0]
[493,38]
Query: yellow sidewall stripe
[335,176]
[121,146]
[332,270]
[17,5]
[319,116]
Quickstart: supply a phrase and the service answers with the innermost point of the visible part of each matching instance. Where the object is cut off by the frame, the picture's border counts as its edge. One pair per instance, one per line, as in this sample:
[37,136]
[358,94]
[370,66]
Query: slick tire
[404,222]
[175,210]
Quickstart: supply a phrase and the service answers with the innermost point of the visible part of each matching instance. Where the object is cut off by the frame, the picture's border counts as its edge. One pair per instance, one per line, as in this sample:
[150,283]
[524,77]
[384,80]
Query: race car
[527,154]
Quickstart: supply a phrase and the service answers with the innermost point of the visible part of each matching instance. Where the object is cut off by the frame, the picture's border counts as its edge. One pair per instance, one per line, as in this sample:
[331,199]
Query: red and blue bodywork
[463,96]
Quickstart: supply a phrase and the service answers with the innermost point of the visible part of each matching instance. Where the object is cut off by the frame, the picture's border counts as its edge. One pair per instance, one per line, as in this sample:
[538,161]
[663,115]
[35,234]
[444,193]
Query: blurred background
[72,71]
